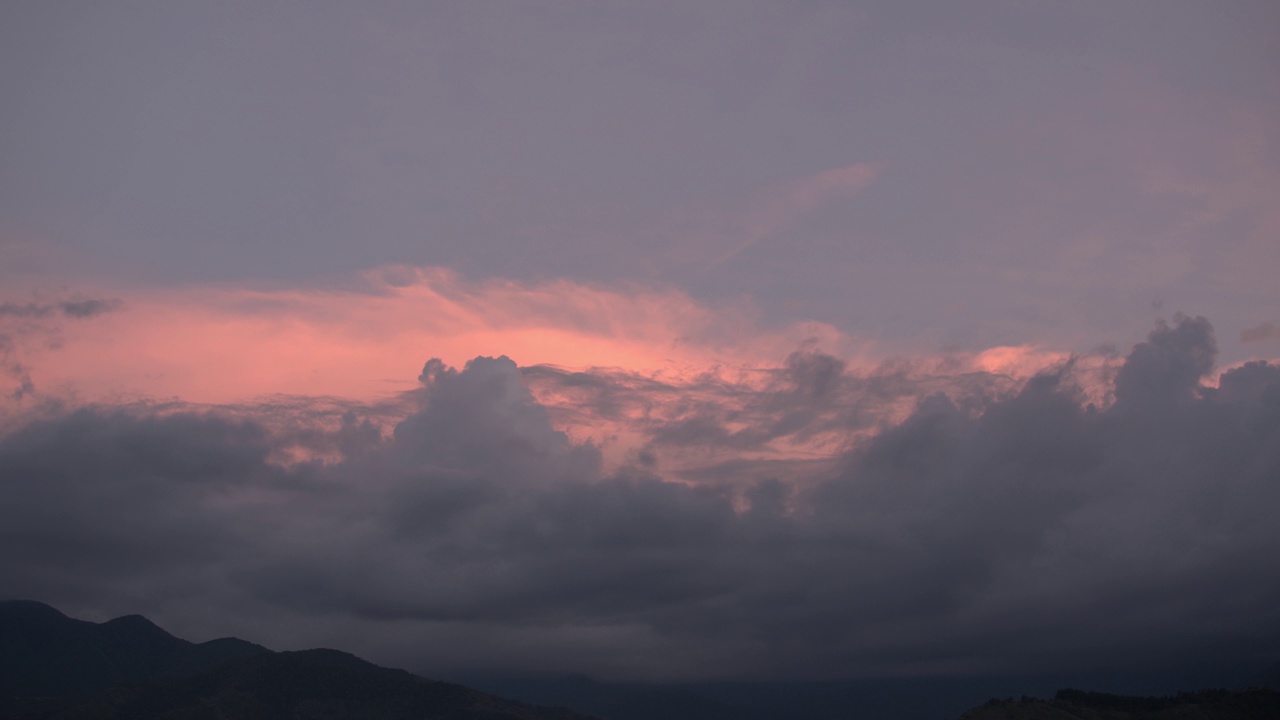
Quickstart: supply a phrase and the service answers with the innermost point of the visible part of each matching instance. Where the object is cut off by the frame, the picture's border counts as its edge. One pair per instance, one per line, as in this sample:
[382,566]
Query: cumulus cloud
[990,525]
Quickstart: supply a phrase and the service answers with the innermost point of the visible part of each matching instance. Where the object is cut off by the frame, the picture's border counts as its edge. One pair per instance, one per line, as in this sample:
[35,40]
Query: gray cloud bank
[1027,530]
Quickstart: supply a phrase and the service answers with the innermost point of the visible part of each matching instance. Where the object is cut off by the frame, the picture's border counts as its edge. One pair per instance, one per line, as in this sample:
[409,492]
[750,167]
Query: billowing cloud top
[809,520]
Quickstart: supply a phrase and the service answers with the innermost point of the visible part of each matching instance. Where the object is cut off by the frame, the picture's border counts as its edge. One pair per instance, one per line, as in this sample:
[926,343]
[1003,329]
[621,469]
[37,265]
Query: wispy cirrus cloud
[787,202]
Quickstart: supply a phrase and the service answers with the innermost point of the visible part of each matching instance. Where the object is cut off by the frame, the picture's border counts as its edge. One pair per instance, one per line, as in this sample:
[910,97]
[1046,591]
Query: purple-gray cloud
[1260,333]
[71,308]
[19,320]
[1000,531]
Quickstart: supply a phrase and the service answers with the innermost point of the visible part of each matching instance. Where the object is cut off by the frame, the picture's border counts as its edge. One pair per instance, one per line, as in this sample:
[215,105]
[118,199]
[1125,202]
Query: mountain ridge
[45,652]
[1219,704]
[53,667]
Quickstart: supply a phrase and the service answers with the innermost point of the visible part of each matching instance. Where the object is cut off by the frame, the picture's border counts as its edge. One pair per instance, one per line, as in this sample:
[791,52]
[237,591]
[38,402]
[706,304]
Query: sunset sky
[648,340]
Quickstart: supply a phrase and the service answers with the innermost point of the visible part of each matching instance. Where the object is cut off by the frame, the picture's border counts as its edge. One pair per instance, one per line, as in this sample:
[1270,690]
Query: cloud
[1168,367]
[724,426]
[363,336]
[35,323]
[1260,333]
[994,525]
[85,308]
[789,201]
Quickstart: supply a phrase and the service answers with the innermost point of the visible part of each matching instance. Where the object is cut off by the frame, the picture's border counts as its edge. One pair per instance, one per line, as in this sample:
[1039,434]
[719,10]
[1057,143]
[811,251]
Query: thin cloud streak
[787,203]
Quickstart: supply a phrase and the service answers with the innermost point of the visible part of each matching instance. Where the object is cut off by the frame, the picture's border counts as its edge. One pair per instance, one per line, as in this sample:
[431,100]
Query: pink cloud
[668,359]
[366,340]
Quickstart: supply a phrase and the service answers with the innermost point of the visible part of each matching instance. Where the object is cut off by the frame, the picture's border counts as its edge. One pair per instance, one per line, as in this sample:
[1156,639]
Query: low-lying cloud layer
[811,521]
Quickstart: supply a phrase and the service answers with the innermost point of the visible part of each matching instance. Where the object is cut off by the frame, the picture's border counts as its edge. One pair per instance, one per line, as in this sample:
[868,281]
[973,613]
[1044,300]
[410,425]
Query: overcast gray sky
[1059,170]
[810,338]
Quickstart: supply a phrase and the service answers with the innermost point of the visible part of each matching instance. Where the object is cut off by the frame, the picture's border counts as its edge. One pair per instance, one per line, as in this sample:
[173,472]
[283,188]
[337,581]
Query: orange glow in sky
[366,340]
[232,344]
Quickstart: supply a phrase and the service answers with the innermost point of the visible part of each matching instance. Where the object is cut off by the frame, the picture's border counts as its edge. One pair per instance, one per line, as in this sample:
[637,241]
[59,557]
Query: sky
[648,340]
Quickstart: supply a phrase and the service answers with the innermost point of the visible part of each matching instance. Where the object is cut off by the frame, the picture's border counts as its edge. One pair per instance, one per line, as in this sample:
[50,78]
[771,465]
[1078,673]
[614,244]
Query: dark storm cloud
[120,501]
[985,531]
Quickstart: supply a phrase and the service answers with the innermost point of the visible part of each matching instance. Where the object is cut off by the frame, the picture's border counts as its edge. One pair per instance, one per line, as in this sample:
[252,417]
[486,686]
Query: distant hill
[621,701]
[868,699]
[1251,704]
[55,668]
[305,685]
[46,653]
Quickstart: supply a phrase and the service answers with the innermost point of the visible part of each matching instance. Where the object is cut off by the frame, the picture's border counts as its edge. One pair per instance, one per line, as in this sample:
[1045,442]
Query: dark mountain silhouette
[317,684]
[55,668]
[868,699]
[1249,704]
[627,701]
[46,653]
